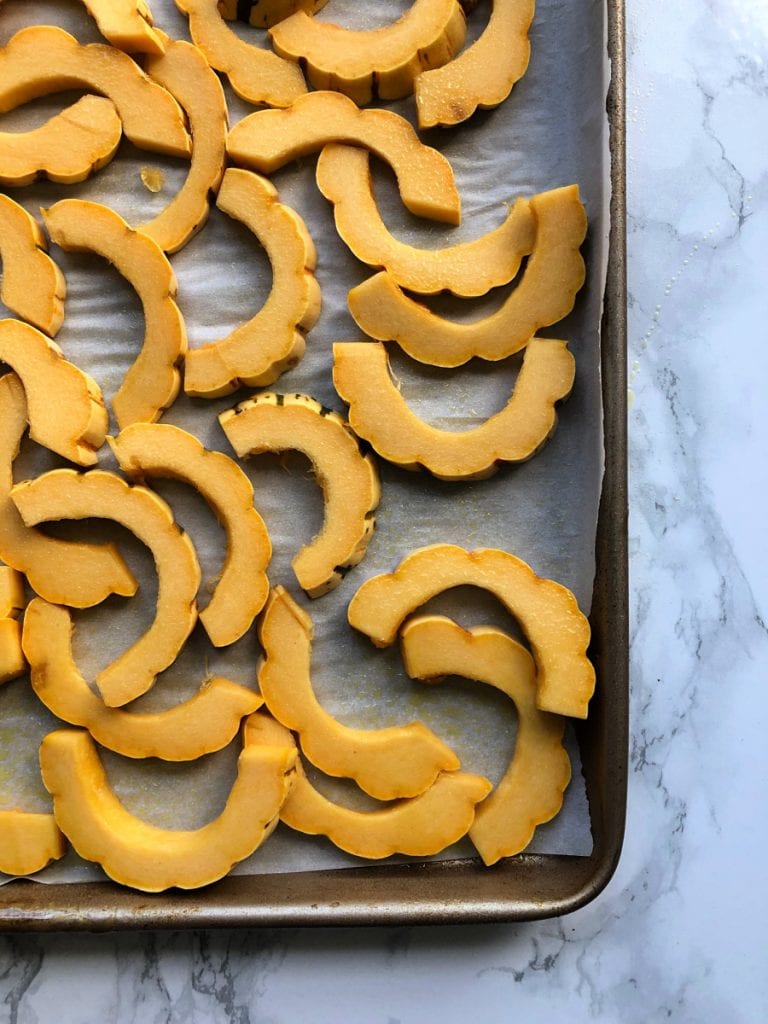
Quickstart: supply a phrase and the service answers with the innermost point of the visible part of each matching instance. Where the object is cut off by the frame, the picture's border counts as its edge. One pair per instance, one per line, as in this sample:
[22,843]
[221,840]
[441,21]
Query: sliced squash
[386,763]
[380,63]
[65,494]
[43,59]
[470,268]
[153,381]
[379,414]
[349,479]
[127,24]
[153,859]
[265,13]
[12,601]
[12,596]
[69,147]
[547,612]
[160,450]
[268,139]
[64,405]
[531,789]
[256,75]
[206,722]
[32,284]
[554,274]
[484,74]
[28,842]
[258,351]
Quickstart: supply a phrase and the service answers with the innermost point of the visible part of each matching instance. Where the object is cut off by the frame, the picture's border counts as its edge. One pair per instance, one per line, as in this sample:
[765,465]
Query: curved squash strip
[43,59]
[531,790]
[256,75]
[386,763]
[143,451]
[546,293]
[468,269]
[380,63]
[268,139]
[266,13]
[379,414]
[32,284]
[153,859]
[69,147]
[349,480]
[127,24]
[547,612]
[12,597]
[28,842]
[206,722]
[63,572]
[12,601]
[257,352]
[484,74]
[153,381]
[65,494]
[183,71]
[64,405]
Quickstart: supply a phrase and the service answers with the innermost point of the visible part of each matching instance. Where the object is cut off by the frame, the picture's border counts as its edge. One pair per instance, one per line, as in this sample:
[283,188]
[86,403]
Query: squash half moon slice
[152,383]
[419,826]
[468,269]
[43,59]
[531,790]
[484,74]
[256,75]
[258,351]
[64,405]
[546,293]
[349,479]
[380,63]
[153,859]
[67,148]
[161,450]
[548,614]
[32,284]
[386,763]
[266,13]
[379,414]
[127,24]
[268,139]
[204,723]
[12,601]
[65,494]
[28,842]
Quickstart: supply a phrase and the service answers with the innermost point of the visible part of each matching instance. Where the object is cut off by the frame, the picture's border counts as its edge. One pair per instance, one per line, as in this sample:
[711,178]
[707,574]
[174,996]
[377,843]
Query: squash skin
[33,287]
[28,842]
[266,13]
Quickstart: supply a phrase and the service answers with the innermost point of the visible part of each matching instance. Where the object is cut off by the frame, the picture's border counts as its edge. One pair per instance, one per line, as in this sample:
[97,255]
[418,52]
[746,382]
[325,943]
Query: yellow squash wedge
[531,789]
[32,284]
[127,24]
[547,612]
[380,63]
[268,139]
[12,596]
[546,293]
[65,494]
[468,269]
[349,479]
[204,723]
[399,761]
[258,351]
[160,450]
[153,381]
[484,74]
[12,601]
[265,13]
[379,413]
[43,59]
[153,859]
[28,842]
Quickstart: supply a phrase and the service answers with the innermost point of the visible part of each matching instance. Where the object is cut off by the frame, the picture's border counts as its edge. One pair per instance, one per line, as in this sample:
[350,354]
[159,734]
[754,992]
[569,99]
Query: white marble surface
[680,932]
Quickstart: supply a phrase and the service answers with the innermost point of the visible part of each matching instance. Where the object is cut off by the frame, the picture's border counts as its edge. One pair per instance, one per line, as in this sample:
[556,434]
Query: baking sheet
[552,131]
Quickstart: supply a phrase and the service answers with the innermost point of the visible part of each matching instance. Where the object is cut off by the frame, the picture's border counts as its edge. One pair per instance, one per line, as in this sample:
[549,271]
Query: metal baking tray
[525,887]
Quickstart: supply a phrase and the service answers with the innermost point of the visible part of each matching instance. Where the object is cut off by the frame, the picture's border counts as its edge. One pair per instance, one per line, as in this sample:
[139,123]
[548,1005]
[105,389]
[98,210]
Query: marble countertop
[679,933]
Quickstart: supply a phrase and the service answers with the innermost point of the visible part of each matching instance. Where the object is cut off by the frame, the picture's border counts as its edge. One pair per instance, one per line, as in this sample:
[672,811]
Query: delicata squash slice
[379,414]
[386,763]
[32,284]
[265,13]
[548,614]
[349,479]
[258,351]
[531,790]
[545,294]
[204,723]
[65,494]
[12,601]
[146,450]
[127,24]
[28,842]
[268,139]
[153,859]
[380,63]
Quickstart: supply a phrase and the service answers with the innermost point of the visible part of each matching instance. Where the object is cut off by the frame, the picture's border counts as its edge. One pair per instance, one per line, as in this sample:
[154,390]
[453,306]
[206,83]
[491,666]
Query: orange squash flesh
[32,284]
[28,842]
